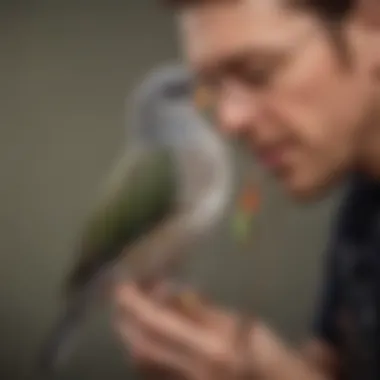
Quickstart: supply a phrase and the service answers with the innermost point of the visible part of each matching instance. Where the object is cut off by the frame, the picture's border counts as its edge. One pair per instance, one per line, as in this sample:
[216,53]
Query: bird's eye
[177,90]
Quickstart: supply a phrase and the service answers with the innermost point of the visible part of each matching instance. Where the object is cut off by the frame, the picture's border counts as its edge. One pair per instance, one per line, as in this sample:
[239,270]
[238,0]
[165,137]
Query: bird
[168,189]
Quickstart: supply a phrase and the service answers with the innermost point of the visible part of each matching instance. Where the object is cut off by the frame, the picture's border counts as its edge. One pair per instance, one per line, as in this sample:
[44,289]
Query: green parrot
[169,189]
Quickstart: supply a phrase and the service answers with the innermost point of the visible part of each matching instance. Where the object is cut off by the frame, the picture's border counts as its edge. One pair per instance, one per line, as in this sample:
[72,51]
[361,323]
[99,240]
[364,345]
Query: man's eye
[258,77]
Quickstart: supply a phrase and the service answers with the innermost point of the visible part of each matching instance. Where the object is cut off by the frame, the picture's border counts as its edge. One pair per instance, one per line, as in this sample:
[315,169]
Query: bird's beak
[202,98]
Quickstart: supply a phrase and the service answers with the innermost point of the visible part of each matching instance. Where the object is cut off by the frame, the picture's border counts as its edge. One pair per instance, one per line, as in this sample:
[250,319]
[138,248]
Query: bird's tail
[61,342]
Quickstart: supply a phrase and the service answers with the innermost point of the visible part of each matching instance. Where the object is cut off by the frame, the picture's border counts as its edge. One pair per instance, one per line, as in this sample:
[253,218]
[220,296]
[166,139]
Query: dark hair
[335,10]
[332,14]
[330,10]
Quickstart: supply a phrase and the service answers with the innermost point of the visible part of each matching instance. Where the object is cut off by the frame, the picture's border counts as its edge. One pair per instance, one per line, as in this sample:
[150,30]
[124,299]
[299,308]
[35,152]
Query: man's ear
[368,13]
[368,16]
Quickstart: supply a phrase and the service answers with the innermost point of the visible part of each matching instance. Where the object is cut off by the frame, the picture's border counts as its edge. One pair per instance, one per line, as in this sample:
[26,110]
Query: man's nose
[235,114]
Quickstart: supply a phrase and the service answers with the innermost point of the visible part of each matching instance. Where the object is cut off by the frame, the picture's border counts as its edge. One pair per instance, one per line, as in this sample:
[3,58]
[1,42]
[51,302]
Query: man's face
[280,84]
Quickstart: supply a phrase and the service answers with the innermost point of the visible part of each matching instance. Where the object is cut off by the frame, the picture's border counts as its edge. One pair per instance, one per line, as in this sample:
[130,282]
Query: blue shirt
[349,310]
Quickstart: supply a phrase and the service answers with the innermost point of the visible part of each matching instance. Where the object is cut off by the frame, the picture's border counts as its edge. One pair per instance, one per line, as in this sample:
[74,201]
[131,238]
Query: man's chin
[306,191]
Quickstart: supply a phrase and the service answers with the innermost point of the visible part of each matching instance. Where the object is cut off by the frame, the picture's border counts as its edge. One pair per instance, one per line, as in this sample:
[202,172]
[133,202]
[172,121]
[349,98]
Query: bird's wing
[140,194]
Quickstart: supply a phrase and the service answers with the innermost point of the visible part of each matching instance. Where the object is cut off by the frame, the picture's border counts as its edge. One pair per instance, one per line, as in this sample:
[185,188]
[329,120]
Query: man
[300,82]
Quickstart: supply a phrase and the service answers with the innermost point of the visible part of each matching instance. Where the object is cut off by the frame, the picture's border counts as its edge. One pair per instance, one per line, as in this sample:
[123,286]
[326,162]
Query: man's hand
[195,341]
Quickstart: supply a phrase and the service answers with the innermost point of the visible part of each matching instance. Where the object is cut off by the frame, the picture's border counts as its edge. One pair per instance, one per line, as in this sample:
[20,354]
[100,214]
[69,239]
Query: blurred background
[66,68]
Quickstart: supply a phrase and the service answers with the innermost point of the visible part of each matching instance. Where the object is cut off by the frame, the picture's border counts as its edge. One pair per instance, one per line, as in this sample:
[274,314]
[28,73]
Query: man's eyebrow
[259,54]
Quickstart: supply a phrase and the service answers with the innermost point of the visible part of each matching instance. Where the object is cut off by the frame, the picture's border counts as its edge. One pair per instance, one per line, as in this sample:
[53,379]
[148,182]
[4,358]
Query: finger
[121,316]
[177,298]
[158,290]
[199,346]
[148,353]
[200,310]
[132,337]
[189,306]
[184,300]
[161,322]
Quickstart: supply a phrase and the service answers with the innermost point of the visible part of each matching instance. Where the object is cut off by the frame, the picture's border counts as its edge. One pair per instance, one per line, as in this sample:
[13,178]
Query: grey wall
[66,67]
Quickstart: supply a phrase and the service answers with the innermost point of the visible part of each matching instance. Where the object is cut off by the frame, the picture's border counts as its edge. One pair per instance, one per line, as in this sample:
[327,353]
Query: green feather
[242,225]
[140,193]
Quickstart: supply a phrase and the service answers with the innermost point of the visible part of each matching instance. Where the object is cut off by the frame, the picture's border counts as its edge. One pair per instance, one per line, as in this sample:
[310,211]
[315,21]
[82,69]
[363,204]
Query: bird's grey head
[165,114]
[162,108]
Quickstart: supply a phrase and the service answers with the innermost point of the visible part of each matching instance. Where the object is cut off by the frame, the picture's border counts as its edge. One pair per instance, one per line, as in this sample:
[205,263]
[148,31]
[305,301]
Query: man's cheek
[305,166]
